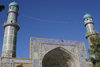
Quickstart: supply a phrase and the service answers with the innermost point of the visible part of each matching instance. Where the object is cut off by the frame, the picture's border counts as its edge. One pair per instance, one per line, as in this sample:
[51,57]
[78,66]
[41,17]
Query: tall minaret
[88,20]
[11,27]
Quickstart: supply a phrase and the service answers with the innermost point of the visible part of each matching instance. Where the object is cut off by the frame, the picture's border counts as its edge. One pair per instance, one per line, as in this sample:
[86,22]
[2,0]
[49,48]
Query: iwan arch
[43,52]
[58,57]
[57,53]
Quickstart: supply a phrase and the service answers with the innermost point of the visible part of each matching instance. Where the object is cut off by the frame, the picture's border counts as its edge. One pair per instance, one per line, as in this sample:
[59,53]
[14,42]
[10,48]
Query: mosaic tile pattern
[10,36]
[6,64]
[53,41]
[74,48]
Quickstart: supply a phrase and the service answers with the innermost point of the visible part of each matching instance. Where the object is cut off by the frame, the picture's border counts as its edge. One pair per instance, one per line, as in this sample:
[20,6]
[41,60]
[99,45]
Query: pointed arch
[58,57]
[21,65]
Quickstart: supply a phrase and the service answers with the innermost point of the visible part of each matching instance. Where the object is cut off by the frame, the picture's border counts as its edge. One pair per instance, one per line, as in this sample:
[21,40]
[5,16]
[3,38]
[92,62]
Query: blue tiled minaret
[89,24]
[88,20]
[11,27]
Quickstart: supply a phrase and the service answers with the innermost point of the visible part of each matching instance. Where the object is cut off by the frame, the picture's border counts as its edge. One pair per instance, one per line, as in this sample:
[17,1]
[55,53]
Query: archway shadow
[58,57]
[21,65]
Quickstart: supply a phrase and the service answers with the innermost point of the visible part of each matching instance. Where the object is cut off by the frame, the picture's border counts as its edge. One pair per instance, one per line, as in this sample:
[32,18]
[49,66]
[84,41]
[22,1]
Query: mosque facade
[44,52]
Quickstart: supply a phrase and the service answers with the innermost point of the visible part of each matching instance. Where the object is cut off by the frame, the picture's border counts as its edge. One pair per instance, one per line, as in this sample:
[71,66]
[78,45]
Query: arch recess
[58,57]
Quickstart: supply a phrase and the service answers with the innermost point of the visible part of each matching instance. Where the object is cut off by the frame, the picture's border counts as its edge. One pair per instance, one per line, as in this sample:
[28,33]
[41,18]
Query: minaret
[11,27]
[88,20]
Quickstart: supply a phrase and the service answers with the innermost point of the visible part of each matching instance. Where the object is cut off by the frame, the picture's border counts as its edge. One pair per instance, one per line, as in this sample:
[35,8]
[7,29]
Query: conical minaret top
[11,27]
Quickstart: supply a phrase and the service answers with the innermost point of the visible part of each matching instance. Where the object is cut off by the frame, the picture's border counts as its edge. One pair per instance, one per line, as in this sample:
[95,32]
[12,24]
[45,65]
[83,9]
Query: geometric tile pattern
[40,47]
[6,64]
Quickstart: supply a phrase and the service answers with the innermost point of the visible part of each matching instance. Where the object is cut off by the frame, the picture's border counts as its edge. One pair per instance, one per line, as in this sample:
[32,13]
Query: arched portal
[58,57]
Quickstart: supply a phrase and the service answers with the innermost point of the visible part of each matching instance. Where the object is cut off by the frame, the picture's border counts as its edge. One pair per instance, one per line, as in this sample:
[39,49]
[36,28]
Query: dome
[87,16]
[13,4]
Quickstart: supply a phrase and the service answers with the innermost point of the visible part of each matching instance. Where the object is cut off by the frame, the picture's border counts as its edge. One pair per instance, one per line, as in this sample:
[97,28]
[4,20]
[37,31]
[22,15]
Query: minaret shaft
[9,48]
[10,19]
[90,28]
[88,20]
[90,32]
[10,35]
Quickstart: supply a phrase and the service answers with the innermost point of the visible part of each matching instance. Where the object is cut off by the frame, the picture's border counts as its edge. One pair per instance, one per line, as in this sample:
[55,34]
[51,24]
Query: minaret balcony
[89,23]
[12,24]
[91,34]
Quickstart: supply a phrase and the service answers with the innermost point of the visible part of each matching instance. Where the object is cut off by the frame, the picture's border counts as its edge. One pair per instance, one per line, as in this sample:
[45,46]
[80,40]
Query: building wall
[39,47]
[15,62]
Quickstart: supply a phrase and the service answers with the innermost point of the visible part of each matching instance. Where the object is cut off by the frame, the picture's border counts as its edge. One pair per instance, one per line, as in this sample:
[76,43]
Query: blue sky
[53,19]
